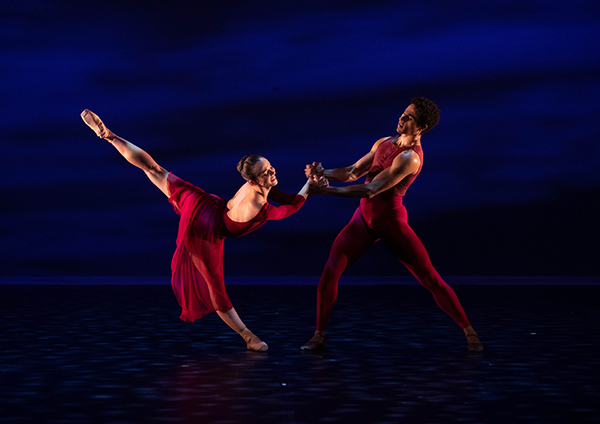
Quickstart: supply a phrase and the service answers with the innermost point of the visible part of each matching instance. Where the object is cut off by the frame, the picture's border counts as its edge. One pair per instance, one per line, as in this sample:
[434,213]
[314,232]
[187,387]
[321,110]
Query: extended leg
[133,154]
[350,244]
[402,241]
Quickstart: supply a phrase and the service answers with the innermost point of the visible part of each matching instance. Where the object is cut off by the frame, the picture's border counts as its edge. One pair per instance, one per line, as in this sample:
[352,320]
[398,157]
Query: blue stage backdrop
[511,174]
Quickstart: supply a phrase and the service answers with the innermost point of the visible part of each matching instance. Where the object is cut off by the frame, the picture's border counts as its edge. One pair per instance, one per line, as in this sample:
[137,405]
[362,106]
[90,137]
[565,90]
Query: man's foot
[473,343]
[95,123]
[318,342]
[253,342]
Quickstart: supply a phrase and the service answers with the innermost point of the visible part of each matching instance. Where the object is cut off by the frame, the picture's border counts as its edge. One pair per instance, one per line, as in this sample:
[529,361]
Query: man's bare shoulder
[408,159]
[380,141]
[388,137]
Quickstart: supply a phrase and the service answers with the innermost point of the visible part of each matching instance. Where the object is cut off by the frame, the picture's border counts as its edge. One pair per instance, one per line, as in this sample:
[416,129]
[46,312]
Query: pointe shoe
[473,343]
[318,342]
[95,123]
[253,342]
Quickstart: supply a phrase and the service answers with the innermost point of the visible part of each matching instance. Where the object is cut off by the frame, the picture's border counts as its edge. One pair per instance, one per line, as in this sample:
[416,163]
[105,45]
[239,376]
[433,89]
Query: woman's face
[265,174]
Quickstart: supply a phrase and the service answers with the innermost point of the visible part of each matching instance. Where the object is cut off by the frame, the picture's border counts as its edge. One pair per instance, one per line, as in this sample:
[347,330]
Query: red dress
[197,265]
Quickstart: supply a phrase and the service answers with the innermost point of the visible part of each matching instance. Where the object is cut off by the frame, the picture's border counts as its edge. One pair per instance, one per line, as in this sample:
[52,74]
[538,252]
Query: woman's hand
[314,169]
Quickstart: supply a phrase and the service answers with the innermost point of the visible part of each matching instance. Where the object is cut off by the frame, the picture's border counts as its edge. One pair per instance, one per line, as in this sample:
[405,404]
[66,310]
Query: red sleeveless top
[389,201]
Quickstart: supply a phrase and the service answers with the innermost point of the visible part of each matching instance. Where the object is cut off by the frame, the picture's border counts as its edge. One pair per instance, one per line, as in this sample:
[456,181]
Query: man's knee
[430,279]
[333,270]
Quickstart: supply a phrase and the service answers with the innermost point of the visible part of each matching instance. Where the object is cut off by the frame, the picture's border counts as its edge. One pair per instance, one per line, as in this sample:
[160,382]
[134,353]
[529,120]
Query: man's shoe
[473,343]
[318,342]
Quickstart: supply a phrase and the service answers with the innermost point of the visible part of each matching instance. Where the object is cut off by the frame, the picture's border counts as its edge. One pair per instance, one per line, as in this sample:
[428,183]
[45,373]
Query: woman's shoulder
[244,207]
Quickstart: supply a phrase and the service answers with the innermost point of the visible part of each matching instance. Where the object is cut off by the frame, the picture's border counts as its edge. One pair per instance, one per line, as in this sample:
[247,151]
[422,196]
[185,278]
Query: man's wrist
[327,190]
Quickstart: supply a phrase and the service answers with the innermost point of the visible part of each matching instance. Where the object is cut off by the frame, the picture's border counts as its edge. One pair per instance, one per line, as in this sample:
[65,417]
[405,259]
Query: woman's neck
[261,192]
[250,194]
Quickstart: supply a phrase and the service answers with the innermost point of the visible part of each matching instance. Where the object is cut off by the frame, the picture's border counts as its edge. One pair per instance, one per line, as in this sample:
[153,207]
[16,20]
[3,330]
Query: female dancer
[205,221]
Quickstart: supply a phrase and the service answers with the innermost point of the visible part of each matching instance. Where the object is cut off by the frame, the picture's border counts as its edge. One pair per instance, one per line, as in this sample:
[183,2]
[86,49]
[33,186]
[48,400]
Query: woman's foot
[253,342]
[95,123]
[318,342]
[473,343]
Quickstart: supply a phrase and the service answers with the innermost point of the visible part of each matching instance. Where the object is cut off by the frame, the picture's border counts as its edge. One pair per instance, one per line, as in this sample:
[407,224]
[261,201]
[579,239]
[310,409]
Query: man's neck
[408,140]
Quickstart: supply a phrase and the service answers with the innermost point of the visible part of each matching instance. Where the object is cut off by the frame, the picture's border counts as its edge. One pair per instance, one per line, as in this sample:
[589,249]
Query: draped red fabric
[197,264]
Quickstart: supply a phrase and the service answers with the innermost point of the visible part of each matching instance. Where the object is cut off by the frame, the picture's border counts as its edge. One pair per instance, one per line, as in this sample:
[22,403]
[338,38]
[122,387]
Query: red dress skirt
[197,265]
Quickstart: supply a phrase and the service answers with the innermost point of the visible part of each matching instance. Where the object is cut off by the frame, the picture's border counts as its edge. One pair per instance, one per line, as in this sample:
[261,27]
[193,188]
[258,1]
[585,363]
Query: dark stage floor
[120,354]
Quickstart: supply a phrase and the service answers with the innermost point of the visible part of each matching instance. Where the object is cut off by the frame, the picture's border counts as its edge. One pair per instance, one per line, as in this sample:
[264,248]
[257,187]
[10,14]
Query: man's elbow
[352,174]
[370,192]
[373,189]
[350,178]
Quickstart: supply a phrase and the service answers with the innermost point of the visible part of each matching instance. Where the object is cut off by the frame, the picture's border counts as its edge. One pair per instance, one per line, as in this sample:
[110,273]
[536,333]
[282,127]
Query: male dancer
[391,166]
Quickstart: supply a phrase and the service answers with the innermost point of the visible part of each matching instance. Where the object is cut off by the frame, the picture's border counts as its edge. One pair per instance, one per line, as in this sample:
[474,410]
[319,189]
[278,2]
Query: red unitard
[384,218]
[197,265]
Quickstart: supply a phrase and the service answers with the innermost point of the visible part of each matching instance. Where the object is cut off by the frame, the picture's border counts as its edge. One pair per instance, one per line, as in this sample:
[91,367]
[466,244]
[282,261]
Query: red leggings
[354,240]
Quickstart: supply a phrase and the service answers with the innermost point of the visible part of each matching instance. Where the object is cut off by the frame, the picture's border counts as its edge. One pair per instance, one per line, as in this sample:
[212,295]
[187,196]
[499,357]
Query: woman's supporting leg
[220,300]
[208,288]
[233,320]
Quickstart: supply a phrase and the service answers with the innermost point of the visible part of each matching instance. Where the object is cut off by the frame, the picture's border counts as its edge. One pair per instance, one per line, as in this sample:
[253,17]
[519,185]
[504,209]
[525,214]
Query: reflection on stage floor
[118,353]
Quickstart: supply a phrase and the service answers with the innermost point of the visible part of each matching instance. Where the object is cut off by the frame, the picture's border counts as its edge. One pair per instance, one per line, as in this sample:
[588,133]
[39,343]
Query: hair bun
[246,166]
[240,165]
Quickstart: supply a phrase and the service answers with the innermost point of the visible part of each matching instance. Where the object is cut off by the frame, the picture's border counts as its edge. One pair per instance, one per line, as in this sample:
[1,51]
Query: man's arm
[405,164]
[346,174]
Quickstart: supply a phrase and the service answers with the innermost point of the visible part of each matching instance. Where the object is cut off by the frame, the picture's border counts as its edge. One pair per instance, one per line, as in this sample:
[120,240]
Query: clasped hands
[316,176]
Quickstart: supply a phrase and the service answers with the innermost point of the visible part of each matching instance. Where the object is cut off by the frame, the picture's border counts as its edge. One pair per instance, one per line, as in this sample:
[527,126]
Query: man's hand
[317,182]
[314,169]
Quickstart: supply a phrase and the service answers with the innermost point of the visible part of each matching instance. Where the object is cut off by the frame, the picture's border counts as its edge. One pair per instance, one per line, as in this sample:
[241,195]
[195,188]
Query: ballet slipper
[252,341]
[318,342]
[95,123]
[473,343]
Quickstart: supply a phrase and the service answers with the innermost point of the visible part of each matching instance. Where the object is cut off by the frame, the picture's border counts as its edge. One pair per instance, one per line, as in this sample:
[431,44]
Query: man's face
[407,124]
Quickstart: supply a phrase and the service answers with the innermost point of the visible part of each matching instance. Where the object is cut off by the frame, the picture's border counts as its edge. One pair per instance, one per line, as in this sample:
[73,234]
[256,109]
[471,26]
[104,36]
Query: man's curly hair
[428,112]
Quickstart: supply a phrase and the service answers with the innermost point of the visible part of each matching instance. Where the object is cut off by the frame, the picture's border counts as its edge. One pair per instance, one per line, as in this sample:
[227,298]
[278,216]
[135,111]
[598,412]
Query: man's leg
[350,244]
[402,241]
